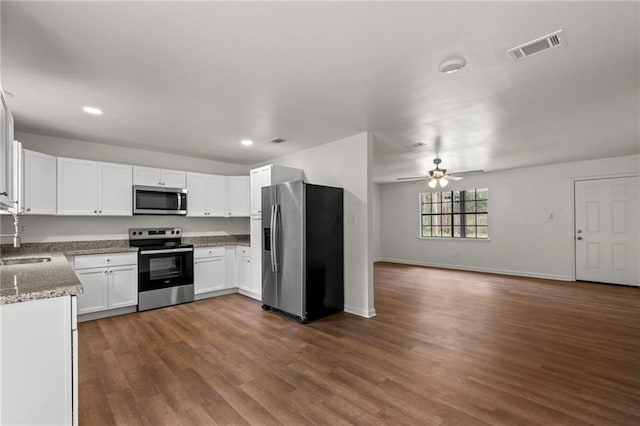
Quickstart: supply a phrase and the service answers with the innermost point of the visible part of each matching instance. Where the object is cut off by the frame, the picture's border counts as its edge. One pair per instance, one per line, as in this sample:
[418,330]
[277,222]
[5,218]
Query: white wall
[64,228]
[522,241]
[61,147]
[376,229]
[346,163]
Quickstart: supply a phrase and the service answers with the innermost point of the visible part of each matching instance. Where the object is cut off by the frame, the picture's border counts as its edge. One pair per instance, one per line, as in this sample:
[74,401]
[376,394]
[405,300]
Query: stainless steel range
[165,267]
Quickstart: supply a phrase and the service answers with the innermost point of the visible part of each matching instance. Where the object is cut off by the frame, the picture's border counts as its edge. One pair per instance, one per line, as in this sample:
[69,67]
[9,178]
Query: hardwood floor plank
[446,348]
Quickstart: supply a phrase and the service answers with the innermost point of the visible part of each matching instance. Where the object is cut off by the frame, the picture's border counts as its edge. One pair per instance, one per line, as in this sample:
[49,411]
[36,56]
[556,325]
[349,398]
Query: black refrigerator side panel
[324,250]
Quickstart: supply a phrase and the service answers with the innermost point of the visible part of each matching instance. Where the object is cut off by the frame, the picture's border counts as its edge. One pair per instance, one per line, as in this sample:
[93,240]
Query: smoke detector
[538,45]
[452,65]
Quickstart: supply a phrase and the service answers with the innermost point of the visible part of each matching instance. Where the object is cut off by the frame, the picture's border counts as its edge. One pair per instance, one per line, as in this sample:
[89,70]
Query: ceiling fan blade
[412,178]
[451,177]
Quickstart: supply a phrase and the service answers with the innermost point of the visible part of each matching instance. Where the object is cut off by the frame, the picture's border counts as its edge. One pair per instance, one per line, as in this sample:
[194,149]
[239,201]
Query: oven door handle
[162,251]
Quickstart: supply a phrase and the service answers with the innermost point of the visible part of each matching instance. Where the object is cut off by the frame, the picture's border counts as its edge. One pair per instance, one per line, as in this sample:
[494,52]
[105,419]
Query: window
[455,214]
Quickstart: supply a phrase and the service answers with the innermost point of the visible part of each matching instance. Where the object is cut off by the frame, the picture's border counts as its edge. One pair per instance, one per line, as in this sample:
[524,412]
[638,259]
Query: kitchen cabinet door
[238,188]
[256,255]
[209,274]
[258,178]
[243,268]
[95,296]
[196,195]
[147,176]
[77,187]
[123,286]
[115,183]
[7,174]
[37,360]
[217,196]
[174,179]
[40,187]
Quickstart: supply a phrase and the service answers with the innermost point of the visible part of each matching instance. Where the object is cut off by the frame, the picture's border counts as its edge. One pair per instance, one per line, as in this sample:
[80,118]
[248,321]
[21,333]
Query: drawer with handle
[201,252]
[102,260]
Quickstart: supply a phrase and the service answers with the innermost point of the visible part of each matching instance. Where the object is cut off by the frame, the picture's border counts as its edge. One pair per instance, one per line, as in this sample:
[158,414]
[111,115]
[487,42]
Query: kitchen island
[38,335]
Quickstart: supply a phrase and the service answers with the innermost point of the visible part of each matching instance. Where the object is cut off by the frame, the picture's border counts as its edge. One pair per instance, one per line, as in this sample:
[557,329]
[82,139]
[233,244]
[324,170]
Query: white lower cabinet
[95,295]
[210,269]
[256,257]
[110,281]
[39,362]
[243,268]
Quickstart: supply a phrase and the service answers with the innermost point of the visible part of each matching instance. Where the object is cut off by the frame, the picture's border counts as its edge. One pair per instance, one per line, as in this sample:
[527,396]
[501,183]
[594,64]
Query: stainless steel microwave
[159,200]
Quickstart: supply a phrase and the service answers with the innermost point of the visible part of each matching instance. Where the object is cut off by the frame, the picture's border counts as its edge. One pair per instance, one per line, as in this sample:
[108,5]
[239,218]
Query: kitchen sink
[24,261]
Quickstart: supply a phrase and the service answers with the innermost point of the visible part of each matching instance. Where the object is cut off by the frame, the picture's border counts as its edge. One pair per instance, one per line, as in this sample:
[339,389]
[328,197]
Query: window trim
[451,214]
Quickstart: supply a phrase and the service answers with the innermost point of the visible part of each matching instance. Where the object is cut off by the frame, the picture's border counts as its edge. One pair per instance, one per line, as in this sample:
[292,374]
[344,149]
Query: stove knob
[177,232]
[172,232]
[134,233]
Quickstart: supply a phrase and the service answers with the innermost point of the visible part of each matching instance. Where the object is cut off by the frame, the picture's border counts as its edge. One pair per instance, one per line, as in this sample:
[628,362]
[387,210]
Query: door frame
[573,208]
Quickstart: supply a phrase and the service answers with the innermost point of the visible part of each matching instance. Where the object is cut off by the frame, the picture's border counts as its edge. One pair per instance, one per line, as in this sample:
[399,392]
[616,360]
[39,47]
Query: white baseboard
[480,269]
[108,313]
[360,312]
[215,293]
[250,294]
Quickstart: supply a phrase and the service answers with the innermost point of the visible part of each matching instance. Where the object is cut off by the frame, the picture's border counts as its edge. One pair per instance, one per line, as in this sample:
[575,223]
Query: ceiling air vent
[278,140]
[416,145]
[536,46]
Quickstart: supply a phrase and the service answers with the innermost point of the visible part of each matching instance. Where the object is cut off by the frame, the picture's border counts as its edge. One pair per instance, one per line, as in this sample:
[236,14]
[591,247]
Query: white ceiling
[196,78]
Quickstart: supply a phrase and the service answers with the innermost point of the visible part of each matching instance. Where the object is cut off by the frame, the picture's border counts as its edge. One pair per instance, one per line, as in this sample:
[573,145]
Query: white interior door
[607,233]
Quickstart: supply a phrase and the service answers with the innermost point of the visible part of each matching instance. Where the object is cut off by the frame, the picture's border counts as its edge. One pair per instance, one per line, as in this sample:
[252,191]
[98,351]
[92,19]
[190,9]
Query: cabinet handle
[29,209]
[99,211]
[95,211]
[106,272]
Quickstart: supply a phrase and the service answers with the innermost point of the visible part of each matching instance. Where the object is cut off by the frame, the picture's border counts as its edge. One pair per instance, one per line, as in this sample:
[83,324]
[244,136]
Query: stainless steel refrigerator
[303,250]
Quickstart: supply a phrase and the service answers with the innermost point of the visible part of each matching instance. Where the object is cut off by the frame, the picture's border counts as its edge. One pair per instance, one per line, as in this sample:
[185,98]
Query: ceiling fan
[437,177]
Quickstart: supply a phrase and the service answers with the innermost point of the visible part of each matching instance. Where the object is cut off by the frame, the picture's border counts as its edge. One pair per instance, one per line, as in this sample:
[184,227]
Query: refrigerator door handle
[274,237]
[273,216]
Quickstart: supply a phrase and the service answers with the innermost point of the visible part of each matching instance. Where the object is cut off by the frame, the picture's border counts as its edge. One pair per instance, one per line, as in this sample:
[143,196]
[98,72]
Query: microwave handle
[179,201]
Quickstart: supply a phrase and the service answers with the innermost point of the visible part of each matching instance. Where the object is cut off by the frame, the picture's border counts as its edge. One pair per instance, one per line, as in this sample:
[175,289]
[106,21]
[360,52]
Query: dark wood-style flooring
[446,348]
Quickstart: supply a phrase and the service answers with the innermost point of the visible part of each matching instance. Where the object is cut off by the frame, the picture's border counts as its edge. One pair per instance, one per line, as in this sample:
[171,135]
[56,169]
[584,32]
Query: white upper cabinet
[77,187]
[92,188]
[6,154]
[148,176]
[115,189]
[196,194]
[238,195]
[269,175]
[206,196]
[217,196]
[39,183]
[174,179]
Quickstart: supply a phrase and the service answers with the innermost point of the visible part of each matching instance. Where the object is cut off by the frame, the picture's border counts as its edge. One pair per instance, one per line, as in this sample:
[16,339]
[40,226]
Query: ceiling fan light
[433,183]
[443,182]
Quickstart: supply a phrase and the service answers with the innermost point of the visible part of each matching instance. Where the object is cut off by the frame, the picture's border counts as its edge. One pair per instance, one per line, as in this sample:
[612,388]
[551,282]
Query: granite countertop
[20,283]
[69,248]
[217,240]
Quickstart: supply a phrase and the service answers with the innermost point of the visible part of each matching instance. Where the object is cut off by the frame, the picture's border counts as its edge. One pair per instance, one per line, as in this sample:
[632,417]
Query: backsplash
[74,228]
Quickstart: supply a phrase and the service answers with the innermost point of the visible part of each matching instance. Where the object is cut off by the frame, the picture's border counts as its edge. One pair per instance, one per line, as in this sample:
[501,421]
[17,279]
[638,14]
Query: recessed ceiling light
[452,65]
[246,142]
[92,110]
